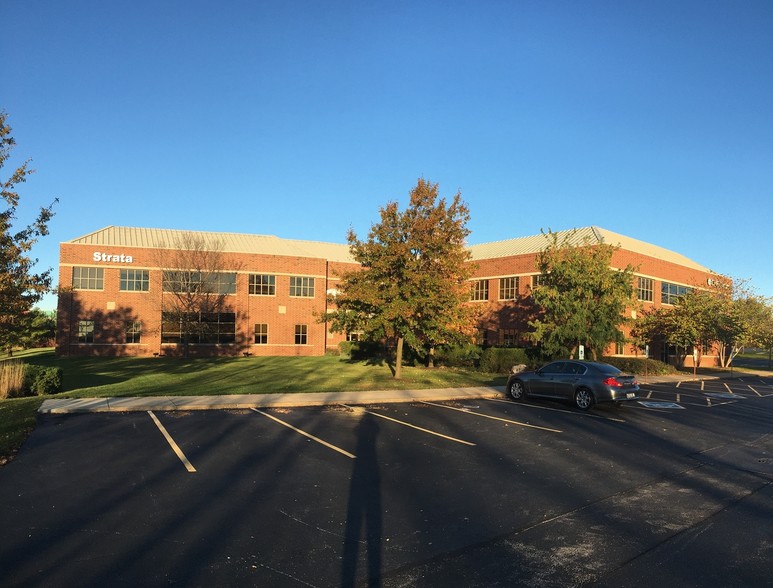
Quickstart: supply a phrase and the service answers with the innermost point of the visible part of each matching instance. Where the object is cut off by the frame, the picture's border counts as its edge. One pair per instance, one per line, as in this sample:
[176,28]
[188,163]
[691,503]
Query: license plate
[631,395]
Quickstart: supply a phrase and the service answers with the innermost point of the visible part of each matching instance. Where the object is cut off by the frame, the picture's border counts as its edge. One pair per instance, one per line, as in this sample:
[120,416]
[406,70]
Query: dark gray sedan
[583,382]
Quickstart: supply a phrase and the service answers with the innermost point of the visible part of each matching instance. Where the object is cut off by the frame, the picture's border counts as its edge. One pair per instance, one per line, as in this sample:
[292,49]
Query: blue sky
[300,119]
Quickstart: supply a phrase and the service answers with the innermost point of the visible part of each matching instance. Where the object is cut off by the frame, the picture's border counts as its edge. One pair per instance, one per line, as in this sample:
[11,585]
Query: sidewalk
[237,401]
[241,401]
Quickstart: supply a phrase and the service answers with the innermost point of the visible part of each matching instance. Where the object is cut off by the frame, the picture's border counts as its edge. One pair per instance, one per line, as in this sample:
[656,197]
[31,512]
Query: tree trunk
[431,357]
[399,359]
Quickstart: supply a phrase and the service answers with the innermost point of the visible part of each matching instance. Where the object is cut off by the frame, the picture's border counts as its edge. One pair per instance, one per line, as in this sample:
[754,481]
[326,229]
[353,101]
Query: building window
[182,281]
[193,281]
[508,337]
[644,289]
[85,331]
[537,280]
[133,280]
[354,336]
[670,293]
[508,288]
[261,334]
[133,331]
[88,278]
[479,290]
[301,286]
[207,328]
[262,284]
[223,282]
[301,334]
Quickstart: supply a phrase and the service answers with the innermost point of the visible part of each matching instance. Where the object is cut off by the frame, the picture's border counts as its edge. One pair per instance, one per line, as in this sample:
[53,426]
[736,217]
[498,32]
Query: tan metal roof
[271,245]
[227,242]
[585,235]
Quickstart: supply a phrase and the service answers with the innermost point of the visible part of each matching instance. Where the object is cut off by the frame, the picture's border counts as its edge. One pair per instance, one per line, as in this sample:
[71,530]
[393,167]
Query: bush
[38,380]
[362,350]
[461,356]
[640,365]
[344,348]
[31,374]
[48,381]
[501,359]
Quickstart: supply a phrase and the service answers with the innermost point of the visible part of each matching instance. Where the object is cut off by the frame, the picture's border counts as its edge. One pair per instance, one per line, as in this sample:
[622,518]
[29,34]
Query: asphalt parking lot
[674,489]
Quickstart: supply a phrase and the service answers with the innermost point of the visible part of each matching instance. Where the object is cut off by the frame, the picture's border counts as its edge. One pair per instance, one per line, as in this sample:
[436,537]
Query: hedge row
[640,365]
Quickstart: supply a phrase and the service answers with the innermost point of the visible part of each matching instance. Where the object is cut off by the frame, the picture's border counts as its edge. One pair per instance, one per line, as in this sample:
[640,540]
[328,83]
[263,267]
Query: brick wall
[111,308]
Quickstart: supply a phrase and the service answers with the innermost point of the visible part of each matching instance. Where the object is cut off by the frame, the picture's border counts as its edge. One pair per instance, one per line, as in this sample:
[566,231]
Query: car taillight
[613,382]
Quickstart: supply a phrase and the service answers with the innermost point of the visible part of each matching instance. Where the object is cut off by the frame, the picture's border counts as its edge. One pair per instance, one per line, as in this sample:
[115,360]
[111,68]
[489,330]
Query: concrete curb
[242,401]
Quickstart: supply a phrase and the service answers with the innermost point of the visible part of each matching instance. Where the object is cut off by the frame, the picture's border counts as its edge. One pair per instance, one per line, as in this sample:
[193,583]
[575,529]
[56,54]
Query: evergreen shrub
[460,356]
[640,365]
[48,381]
[500,360]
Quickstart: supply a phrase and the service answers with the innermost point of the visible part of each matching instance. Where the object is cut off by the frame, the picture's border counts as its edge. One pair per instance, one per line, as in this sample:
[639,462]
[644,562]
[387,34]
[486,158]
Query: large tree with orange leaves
[413,282]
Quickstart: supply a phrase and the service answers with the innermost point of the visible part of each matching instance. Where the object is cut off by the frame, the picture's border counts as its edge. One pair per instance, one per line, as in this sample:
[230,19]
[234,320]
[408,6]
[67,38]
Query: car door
[565,383]
[543,383]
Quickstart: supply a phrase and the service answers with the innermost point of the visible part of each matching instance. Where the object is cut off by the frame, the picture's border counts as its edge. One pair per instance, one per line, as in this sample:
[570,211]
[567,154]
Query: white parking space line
[584,414]
[753,390]
[485,416]
[414,426]
[305,434]
[173,445]
[728,387]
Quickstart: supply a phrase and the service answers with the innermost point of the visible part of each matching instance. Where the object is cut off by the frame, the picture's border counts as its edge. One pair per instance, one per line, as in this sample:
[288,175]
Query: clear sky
[302,118]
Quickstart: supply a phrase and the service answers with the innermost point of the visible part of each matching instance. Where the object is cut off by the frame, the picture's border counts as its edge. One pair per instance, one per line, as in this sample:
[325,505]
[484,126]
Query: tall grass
[11,378]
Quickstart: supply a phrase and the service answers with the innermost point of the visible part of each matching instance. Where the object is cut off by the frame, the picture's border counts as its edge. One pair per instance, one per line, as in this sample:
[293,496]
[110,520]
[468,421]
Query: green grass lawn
[162,376]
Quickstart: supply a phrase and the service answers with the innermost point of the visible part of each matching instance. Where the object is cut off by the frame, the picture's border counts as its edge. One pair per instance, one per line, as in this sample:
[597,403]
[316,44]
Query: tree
[581,299]
[761,325]
[194,292]
[670,328]
[689,324]
[725,317]
[413,282]
[20,286]
[34,328]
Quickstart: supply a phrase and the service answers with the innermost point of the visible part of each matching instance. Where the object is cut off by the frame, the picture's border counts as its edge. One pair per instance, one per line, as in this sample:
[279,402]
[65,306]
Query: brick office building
[111,292]
[507,272]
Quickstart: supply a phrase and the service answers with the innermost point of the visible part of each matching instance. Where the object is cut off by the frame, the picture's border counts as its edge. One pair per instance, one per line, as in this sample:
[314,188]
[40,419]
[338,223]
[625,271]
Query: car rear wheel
[583,398]
[516,390]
